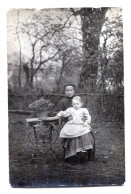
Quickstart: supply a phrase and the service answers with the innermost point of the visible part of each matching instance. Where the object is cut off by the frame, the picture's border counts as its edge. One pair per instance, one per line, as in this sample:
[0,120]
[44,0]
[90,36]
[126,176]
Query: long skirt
[79,144]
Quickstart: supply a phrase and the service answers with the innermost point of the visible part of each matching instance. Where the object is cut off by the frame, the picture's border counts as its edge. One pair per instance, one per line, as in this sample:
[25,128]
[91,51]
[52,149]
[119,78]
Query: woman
[71,153]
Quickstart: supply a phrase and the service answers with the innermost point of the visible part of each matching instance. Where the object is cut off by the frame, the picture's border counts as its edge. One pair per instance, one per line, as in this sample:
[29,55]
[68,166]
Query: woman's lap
[79,144]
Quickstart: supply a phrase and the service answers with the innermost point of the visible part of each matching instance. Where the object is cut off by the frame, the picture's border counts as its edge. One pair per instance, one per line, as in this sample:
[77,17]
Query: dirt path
[106,169]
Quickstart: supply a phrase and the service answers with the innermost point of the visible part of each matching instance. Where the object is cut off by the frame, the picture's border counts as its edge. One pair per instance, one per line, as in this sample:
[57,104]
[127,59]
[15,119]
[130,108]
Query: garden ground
[108,168]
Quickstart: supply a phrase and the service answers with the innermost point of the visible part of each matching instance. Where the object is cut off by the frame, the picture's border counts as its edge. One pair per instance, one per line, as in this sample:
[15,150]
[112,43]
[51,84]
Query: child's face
[69,91]
[76,104]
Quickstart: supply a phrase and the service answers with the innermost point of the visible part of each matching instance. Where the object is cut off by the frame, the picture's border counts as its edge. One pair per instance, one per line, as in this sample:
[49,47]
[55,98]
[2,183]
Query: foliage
[41,105]
[51,39]
[53,46]
[110,74]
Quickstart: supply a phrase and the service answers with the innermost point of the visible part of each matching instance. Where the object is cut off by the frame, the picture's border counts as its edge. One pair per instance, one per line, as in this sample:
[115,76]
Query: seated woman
[78,146]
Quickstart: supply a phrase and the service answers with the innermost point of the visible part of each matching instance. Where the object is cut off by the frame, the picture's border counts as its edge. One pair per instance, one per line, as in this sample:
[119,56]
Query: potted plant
[41,107]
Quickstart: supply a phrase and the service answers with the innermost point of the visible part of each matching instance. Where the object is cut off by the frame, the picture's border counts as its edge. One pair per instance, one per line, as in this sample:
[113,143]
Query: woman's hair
[78,98]
[69,84]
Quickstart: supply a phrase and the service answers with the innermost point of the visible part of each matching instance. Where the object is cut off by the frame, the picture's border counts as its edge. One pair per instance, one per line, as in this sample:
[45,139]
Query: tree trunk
[27,74]
[92,21]
[61,73]
[19,42]
[31,70]
[31,82]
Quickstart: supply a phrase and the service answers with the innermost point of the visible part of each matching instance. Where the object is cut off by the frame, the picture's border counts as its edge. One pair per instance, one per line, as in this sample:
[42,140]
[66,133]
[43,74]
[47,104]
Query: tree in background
[50,37]
[40,34]
[110,70]
[19,41]
[91,21]
[69,41]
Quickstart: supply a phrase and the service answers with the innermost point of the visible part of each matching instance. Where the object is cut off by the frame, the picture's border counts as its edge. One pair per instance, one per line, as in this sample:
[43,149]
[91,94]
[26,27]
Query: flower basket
[41,108]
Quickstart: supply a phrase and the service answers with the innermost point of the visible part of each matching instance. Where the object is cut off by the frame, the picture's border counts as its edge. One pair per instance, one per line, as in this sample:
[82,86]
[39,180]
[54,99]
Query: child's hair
[69,84]
[78,98]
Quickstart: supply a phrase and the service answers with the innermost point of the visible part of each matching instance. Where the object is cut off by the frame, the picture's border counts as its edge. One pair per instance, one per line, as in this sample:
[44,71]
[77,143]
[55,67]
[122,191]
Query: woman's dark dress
[76,145]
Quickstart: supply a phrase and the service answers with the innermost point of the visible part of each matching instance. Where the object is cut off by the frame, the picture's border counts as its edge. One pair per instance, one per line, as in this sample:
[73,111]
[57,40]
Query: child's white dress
[78,125]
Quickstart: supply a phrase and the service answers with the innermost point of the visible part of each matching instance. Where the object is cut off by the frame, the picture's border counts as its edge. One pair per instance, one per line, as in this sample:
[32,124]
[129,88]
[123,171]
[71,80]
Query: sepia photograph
[66,97]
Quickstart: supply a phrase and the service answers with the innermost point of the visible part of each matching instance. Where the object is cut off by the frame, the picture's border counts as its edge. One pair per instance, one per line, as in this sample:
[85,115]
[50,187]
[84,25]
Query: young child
[78,125]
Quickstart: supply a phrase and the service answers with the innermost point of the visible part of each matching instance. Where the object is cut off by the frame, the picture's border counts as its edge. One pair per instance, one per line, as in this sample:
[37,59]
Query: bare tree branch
[44,61]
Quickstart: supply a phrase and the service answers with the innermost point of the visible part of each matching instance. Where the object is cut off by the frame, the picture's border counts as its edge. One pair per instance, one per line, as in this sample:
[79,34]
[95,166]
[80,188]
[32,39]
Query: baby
[79,123]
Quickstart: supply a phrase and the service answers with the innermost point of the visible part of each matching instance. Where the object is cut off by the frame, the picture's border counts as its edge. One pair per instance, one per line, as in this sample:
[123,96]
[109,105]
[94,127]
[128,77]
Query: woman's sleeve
[65,113]
[60,105]
[87,116]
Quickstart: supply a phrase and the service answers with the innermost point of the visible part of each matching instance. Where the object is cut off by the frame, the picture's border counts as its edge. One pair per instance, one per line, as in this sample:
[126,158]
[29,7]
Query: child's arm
[65,113]
[52,118]
[87,117]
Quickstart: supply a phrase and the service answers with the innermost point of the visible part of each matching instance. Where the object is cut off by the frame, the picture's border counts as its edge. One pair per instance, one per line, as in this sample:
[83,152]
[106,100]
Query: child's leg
[67,143]
[63,140]
[91,152]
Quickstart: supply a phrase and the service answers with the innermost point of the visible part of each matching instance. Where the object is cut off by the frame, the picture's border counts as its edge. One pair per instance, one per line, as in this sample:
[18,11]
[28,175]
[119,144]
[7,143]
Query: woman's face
[69,91]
